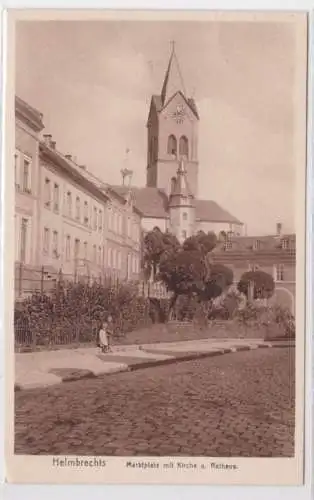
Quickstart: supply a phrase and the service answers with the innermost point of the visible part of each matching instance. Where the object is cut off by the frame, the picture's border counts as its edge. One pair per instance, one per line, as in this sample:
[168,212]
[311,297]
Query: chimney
[47,139]
[68,157]
[278,228]
[83,167]
[53,144]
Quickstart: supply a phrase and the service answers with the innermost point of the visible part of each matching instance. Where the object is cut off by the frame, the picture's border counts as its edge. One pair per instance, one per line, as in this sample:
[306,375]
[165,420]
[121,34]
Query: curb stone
[188,356]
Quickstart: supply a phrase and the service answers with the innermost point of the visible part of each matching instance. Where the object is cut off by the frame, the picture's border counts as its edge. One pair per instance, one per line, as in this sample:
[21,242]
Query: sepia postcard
[154,248]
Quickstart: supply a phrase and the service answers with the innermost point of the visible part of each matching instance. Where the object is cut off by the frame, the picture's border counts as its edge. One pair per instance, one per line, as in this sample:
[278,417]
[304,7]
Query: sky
[93,82]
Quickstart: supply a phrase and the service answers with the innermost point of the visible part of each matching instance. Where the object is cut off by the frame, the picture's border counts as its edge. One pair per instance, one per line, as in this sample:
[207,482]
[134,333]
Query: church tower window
[184,146]
[172,145]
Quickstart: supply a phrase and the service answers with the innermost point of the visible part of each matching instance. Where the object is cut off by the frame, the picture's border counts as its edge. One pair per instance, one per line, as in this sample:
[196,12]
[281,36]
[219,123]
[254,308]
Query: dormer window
[285,244]
[257,244]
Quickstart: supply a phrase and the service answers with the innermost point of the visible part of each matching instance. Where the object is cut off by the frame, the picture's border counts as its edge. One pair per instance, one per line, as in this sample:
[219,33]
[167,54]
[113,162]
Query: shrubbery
[274,321]
[75,310]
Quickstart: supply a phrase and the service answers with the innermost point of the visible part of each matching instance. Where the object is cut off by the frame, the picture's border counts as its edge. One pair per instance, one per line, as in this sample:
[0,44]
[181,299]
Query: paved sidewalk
[42,369]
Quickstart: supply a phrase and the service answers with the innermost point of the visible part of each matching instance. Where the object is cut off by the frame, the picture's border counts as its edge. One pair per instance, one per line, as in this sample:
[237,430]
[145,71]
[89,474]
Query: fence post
[20,279]
[251,291]
[34,340]
[77,334]
[42,280]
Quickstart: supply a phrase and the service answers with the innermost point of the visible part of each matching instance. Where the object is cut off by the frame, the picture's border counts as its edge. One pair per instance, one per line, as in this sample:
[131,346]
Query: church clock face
[179,114]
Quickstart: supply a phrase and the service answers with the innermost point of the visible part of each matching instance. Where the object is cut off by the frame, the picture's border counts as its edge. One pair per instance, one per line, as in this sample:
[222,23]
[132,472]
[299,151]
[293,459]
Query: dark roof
[153,202]
[208,210]
[28,113]
[267,243]
[150,201]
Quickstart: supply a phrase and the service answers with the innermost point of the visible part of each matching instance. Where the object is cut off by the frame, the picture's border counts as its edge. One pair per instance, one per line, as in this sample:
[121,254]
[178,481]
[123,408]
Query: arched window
[184,146]
[172,145]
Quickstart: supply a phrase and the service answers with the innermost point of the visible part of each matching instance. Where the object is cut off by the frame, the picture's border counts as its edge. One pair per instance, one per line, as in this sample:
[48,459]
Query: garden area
[204,303]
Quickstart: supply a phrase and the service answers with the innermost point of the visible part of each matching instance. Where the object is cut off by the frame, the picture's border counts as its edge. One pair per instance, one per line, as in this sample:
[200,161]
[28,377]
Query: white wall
[148,223]
[219,226]
[68,225]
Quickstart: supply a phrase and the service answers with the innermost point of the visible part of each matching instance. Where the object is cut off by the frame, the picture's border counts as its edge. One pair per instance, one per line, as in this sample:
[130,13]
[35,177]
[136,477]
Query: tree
[183,272]
[156,243]
[201,241]
[263,284]
[220,277]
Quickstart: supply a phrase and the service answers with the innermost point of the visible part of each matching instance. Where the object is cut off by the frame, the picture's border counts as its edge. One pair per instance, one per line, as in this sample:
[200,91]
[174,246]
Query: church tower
[181,205]
[172,131]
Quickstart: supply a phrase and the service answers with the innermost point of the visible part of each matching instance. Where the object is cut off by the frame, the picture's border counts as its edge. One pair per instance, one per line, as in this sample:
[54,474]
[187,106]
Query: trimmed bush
[263,284]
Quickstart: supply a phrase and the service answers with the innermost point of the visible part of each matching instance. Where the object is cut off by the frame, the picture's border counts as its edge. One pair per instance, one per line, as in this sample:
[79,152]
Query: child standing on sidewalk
[105,334]
[103,338]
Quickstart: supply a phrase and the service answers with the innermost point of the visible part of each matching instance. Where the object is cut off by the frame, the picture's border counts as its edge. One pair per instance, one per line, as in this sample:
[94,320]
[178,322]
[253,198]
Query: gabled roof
[153,202]
[208,210]
[157,102]
[150,201]
[173,84]
[251,247]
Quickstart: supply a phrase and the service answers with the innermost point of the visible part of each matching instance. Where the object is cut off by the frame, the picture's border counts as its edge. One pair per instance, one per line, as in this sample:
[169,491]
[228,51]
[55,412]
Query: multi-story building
[273,254]
[26,176]
[66,219]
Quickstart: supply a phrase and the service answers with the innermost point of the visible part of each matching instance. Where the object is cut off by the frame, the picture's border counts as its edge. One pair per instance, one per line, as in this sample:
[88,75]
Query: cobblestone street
[239,404]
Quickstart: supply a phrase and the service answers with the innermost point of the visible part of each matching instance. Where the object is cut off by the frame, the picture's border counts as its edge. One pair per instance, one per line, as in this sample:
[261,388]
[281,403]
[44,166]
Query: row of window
[115,224]
[81,212]
[278,271]
[172,146]
[114,256]
[115,220]
[285,244]
[22,172]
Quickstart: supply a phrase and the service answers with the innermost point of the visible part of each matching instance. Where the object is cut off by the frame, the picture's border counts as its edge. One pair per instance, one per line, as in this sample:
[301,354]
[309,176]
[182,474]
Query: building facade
[274,254]
[66,220]
[26,177]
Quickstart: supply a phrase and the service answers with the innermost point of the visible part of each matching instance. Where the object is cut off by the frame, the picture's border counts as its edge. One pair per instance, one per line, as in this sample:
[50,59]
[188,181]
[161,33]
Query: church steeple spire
[173,81]
[181,194]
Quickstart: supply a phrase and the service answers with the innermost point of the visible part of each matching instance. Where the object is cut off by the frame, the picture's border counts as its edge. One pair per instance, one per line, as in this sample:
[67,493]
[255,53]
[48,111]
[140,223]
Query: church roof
[173,81]
[153,202]
[210,211]
[150,201]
